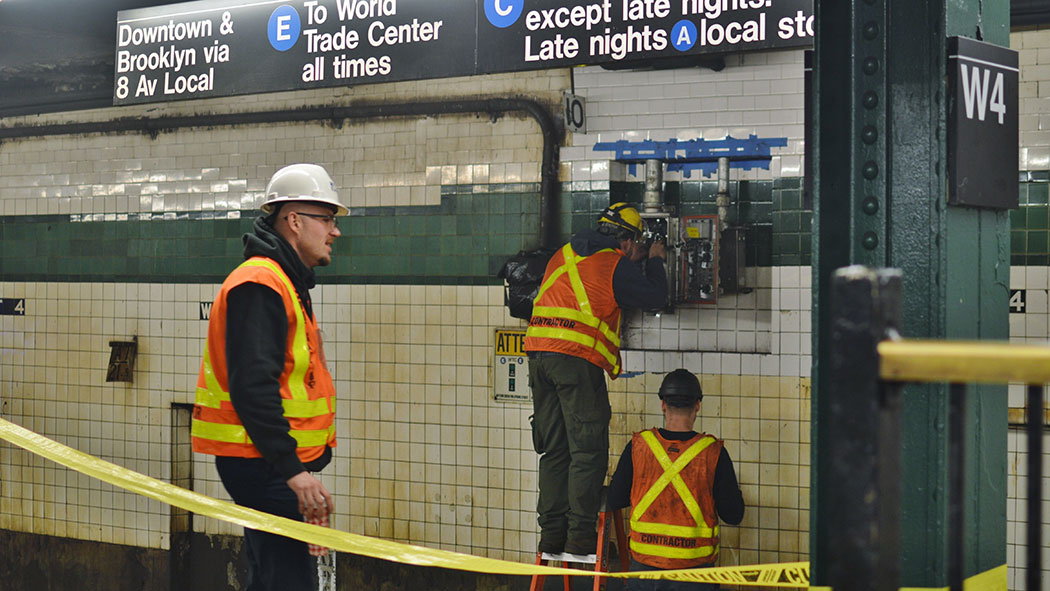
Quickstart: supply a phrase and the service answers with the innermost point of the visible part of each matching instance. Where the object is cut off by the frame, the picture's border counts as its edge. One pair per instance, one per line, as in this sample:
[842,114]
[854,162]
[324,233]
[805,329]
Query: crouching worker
[679,483]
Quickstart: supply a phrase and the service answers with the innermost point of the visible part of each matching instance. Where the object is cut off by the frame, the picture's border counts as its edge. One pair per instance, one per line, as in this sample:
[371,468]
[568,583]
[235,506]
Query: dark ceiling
[1025,13]
[58,54]
[40,31]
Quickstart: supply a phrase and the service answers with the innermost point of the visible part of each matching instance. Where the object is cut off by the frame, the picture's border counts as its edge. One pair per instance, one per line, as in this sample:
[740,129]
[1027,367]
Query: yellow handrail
[917,360]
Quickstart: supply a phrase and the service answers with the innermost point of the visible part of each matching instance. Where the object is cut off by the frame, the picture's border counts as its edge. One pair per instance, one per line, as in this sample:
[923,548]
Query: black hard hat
[681,388]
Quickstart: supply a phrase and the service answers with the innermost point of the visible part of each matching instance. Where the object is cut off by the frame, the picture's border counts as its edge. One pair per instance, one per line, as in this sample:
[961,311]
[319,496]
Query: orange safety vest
[307,391]
[575,312]
[673,518]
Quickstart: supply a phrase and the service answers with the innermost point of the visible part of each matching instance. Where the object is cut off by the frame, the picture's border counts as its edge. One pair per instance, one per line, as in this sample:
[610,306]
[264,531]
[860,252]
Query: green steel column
[881,200]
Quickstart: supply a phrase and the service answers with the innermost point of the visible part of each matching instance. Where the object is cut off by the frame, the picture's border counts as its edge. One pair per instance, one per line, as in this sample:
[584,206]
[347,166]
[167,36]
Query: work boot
[550,545]
[582,547]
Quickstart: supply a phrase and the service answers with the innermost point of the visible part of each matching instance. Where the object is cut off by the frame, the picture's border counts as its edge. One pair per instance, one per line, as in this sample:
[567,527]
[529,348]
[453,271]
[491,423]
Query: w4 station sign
[982,124]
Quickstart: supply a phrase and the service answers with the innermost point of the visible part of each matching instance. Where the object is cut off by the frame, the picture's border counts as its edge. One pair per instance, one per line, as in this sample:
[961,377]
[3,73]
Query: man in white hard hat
[265,402]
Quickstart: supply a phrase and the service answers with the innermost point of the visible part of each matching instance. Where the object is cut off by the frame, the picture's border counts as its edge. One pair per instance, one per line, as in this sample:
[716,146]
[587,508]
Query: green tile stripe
[1030,222]
[462,241]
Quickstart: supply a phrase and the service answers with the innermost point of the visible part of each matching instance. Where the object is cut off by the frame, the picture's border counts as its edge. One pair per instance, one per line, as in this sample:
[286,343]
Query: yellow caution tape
[787,574]
[792,575]
[323,536]
[250,518]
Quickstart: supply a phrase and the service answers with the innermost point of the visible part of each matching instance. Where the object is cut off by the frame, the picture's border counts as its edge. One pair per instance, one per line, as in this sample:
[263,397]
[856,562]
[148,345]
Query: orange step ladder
[601,561]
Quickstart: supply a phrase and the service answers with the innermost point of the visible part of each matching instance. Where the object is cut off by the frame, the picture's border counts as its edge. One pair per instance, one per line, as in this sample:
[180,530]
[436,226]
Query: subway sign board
[529,34]
[231,47]
[982,124]
[214,48]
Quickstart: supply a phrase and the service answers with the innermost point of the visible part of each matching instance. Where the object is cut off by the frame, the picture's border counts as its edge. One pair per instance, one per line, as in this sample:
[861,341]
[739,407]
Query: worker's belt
[538,354]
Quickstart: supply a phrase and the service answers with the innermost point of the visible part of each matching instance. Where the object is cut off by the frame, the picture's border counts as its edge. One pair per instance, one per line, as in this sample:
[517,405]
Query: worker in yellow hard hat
[573,339]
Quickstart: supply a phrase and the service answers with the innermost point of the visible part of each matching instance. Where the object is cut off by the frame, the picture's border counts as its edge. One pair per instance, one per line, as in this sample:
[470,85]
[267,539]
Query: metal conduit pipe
[653,198]
[722,197]
[494,107]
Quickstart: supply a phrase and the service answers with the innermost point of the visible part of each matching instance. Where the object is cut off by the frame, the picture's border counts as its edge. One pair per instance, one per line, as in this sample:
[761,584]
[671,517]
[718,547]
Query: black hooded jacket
[631,288]
[256,331]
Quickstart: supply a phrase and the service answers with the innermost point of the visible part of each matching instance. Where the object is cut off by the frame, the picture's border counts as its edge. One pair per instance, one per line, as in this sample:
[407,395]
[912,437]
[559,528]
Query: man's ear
[295,222]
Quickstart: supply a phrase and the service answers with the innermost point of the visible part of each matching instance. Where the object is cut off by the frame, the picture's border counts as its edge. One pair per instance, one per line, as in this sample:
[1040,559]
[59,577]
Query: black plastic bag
[523,274]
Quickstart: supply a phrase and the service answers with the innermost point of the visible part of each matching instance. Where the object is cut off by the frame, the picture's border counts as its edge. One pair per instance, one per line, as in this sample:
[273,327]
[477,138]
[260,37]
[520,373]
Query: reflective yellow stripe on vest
[300,405]
[237,434]
[671,552]
[583,315]
[672,476]
[213,395]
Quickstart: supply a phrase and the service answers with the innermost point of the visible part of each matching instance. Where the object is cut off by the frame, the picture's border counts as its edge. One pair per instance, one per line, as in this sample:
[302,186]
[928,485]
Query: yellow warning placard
[510,367]
[510,342]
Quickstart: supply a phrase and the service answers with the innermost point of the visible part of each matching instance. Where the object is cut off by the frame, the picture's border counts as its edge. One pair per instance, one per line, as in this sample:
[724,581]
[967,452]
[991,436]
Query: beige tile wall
[425,456]
[417,360]
[1031,326]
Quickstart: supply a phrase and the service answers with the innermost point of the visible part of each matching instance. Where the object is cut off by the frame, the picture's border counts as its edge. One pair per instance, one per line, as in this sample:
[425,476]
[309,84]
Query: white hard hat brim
[340,209]
[303,183]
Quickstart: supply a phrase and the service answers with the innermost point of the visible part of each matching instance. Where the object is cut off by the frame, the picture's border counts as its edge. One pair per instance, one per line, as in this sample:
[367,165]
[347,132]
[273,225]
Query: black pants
[570,430]
[275,563]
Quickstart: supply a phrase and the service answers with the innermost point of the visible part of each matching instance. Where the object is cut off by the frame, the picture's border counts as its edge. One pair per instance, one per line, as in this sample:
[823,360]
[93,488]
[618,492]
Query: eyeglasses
[327,218]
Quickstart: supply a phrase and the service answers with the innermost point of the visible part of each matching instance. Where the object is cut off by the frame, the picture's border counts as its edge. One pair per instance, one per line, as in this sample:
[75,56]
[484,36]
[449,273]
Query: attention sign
[510,367]
[230,47]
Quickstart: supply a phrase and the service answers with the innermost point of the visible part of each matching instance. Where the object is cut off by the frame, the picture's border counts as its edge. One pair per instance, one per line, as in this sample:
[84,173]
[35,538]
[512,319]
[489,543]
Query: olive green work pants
[570,431]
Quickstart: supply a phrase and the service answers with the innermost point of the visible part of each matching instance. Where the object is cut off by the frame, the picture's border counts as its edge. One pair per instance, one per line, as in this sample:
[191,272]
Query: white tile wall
[1033,326]
[757,93]
[425,456]
[751,350]
[1034,96]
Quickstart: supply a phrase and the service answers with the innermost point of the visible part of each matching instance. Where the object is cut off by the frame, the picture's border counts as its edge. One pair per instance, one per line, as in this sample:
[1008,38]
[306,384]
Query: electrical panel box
[699,254]
[662,227]
[732,260]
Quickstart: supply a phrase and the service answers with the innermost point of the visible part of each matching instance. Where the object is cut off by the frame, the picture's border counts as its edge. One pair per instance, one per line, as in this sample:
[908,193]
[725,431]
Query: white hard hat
[302,182]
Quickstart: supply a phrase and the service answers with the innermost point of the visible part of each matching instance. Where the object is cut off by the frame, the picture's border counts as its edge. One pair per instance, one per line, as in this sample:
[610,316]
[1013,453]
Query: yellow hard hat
[623,216]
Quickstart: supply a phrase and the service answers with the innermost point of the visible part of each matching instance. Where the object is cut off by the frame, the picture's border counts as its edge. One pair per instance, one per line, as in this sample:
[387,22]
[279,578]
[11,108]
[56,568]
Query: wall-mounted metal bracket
[122,360]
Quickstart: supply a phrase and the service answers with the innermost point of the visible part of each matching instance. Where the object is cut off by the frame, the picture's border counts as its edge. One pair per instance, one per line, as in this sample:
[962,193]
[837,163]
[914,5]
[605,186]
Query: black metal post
[1034,523]
[889,486]
[956,464]
[864,306]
